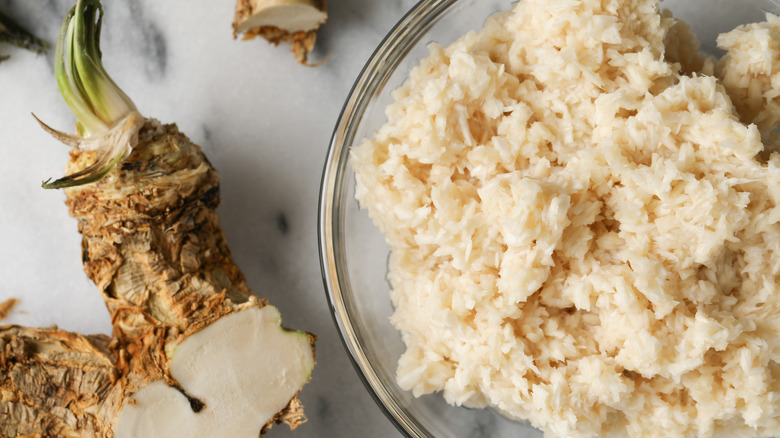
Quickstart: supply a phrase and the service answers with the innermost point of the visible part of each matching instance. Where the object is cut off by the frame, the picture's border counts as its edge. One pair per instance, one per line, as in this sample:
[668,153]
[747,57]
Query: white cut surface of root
[289,15]
[244,368]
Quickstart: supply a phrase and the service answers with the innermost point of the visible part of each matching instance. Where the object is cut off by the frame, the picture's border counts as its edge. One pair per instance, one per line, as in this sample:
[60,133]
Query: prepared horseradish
[583,217]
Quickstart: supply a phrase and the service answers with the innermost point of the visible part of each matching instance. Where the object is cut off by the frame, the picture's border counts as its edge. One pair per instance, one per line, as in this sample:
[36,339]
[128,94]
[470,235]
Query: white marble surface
[264,121]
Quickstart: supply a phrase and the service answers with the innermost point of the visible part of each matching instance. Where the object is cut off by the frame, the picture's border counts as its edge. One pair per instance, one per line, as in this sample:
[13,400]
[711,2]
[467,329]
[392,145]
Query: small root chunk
[6,307]
[245,368]
[292,21]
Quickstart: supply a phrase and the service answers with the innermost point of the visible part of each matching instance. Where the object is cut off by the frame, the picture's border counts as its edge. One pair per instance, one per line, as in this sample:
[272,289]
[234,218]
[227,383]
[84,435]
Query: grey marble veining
[265,123]
[153,46]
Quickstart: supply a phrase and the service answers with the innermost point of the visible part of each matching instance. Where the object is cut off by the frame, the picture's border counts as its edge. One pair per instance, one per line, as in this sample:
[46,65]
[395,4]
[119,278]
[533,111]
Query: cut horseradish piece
[237,374]
[293,21]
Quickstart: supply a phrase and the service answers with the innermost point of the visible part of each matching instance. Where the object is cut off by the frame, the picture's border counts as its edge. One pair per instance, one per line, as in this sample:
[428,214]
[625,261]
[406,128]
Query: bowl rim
[393,48]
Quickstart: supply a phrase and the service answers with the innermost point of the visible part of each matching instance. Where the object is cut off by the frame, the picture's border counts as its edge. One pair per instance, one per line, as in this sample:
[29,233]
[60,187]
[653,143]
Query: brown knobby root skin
[153,245]
[290,21]
[55,383]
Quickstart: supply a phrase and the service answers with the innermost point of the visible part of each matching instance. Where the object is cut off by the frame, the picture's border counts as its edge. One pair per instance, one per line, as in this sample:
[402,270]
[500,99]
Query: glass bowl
[353,252]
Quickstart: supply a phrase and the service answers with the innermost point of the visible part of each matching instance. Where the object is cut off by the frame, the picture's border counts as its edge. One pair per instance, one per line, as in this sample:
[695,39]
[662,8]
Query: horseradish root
[56,384]
[292,21]
[193,352]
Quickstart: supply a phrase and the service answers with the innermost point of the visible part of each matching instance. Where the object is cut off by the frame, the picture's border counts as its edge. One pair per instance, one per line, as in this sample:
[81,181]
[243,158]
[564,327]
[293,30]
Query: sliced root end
[291,21]
[302,42]
[245,370]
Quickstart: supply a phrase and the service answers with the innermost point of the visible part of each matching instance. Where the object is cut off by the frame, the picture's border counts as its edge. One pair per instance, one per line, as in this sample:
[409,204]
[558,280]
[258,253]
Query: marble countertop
[265,123]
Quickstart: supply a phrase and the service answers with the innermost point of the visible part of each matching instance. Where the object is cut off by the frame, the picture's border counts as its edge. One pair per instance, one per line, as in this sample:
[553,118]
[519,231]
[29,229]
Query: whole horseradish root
[292,21]
[193,352]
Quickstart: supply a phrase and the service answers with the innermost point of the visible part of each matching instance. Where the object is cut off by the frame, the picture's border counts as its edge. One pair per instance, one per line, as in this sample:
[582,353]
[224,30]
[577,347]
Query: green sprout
[107,120]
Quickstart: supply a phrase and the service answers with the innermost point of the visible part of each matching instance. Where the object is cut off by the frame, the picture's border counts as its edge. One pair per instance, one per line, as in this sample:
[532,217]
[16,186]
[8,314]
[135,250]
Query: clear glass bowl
[353,253]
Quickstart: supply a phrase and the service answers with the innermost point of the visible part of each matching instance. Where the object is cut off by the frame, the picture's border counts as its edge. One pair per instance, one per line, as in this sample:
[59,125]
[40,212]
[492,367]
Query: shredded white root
[585,225]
